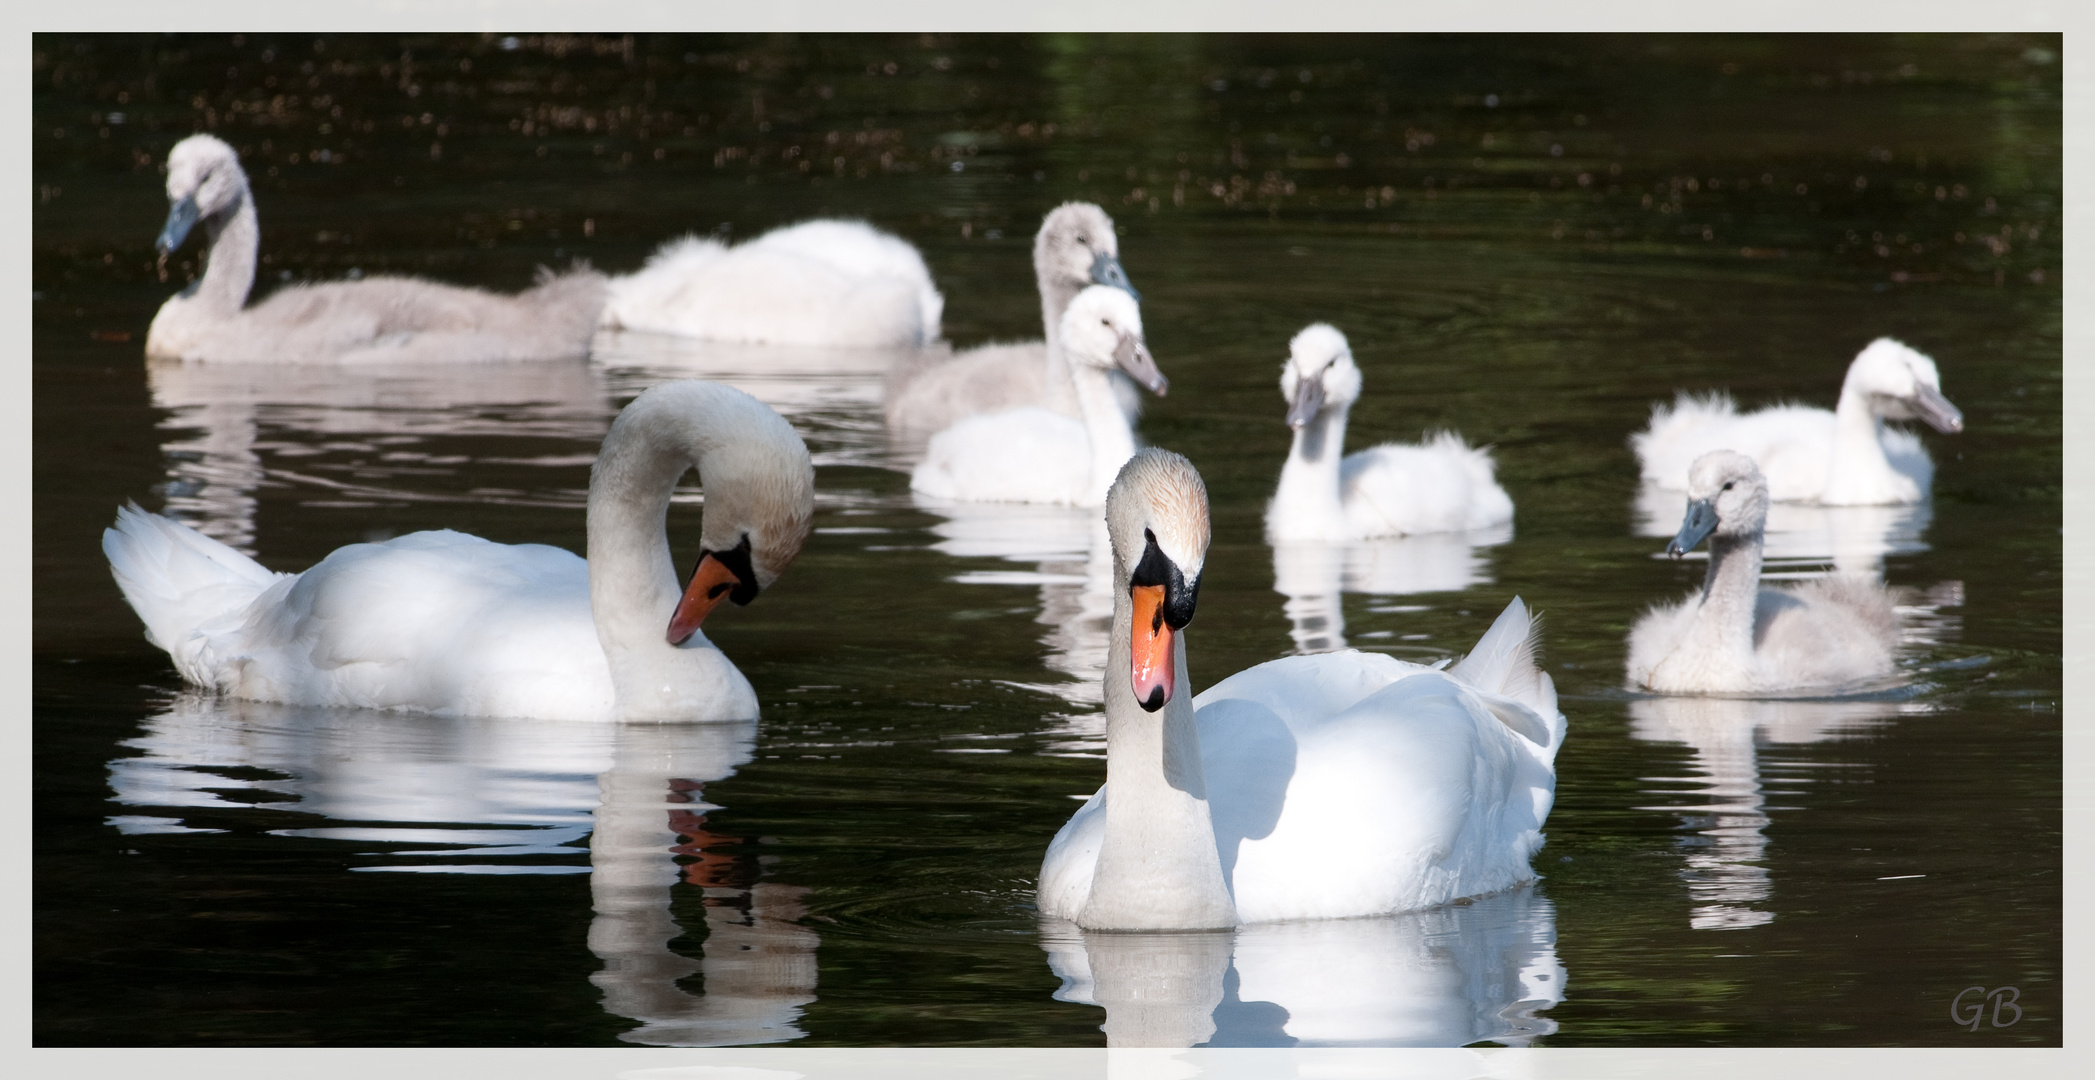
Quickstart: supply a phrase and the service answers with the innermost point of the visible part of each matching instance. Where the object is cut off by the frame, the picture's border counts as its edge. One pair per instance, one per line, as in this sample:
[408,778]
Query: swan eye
[1727,485]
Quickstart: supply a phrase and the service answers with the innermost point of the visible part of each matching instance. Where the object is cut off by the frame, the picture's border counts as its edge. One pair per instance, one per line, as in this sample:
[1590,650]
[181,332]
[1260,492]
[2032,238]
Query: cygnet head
[1103,329]
[1157,516]
[1727,498]
[1900,383]
[1077,246]
[1319,374]
[203,178]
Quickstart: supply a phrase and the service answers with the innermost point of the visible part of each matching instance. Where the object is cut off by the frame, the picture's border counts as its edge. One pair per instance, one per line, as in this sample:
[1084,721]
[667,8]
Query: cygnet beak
[1929,404]
[1309,399]
[1701,520]
[1133,358]
[719,575]
[181,217]
[1106,270]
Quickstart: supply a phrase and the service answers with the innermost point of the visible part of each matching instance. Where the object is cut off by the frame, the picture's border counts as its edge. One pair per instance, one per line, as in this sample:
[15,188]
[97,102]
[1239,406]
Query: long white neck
[1857,472]
[1112,438]
[633,583]
[1722,635]
[229,266]
[1157,864]
[1308,504]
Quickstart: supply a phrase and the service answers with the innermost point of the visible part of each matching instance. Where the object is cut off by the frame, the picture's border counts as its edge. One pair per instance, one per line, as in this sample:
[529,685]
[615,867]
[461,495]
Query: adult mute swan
[1076,248]
[1395,489]
[375,319]
[824,283]
[1309,787]
[1035,455]
[448,623]
[1737,637]
[1846,457]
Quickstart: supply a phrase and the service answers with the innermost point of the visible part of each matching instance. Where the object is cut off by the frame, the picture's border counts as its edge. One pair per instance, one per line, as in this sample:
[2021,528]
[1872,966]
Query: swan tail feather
[1504,666]
[564,306]
[177,579]
[1662,448]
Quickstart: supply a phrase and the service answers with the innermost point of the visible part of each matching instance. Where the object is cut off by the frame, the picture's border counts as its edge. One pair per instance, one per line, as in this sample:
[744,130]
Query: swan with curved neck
[1734,636]
[825,283]
[1077,247]
[1846,457]
[448,623]
[375,319]
[1323,786]
[1395,489]
[1039,456]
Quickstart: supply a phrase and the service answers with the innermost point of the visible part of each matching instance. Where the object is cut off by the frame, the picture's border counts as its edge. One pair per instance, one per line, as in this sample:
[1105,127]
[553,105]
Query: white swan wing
[1066,870]
[433,621]
[1442,485]
[1791,443]
[1026,455]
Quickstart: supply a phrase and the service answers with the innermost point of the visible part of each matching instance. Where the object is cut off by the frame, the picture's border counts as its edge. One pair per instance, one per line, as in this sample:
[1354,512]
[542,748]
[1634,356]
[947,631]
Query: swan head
[1901,383]
[1157,516]
[1077,246]
[1727,497]
[1319,374]
[758,479]
[204,178]
[1103,329]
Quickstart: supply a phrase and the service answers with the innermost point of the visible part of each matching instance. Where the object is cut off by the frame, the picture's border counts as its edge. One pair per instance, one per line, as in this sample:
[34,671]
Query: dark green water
[1528,240]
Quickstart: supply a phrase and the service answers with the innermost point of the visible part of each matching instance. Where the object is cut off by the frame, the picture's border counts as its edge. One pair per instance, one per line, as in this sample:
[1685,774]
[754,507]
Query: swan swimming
[382,318]
[823,283]
[1846,457]
[447,623]
[1035,455]
[1395,489]
[1325,786]
[1736,636]
[1076,248]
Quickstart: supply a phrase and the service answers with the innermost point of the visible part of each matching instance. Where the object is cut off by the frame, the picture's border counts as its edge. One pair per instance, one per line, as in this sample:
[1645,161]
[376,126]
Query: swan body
[1846,457]
[1036,455]
[1327,786]
[825,283]
[1076,248]
[447,623]
[1736,636]
[376,319]
[1395,489]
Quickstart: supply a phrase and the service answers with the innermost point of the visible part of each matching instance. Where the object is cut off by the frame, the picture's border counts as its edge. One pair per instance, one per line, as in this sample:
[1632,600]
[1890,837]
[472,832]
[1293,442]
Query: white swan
[827,283]
[448,623]
[380,318]
[1395,489]
[1846,457]
[1036,455]
[1736,637]
[1075,248]
[1308,787]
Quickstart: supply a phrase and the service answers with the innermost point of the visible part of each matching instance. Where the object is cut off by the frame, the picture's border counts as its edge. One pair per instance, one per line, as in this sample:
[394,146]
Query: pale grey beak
[181,217]
[1106,270]
[1133,358]
[1700,521]
[1309,399]
[1932,407]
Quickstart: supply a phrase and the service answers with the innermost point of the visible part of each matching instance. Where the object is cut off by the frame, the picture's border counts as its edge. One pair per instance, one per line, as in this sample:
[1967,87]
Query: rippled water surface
[1528,240]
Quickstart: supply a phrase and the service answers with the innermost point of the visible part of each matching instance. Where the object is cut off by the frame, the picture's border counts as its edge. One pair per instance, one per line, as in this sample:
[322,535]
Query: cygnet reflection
[1801,537]
[1315,575]
[356,435]
[832,396]
[1723,805]
[1071,563]
[1451,976]
[505,796]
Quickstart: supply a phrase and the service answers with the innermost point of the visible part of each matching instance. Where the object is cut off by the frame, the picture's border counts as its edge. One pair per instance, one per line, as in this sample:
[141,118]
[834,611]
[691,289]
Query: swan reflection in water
[1800,536]
[1070,560]
[1724,805]
[1451,976]
[1314,576]
[358,435]
[499,796]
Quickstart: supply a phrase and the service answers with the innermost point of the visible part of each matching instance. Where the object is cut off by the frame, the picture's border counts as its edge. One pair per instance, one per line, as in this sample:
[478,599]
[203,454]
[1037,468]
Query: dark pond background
[1530,240]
